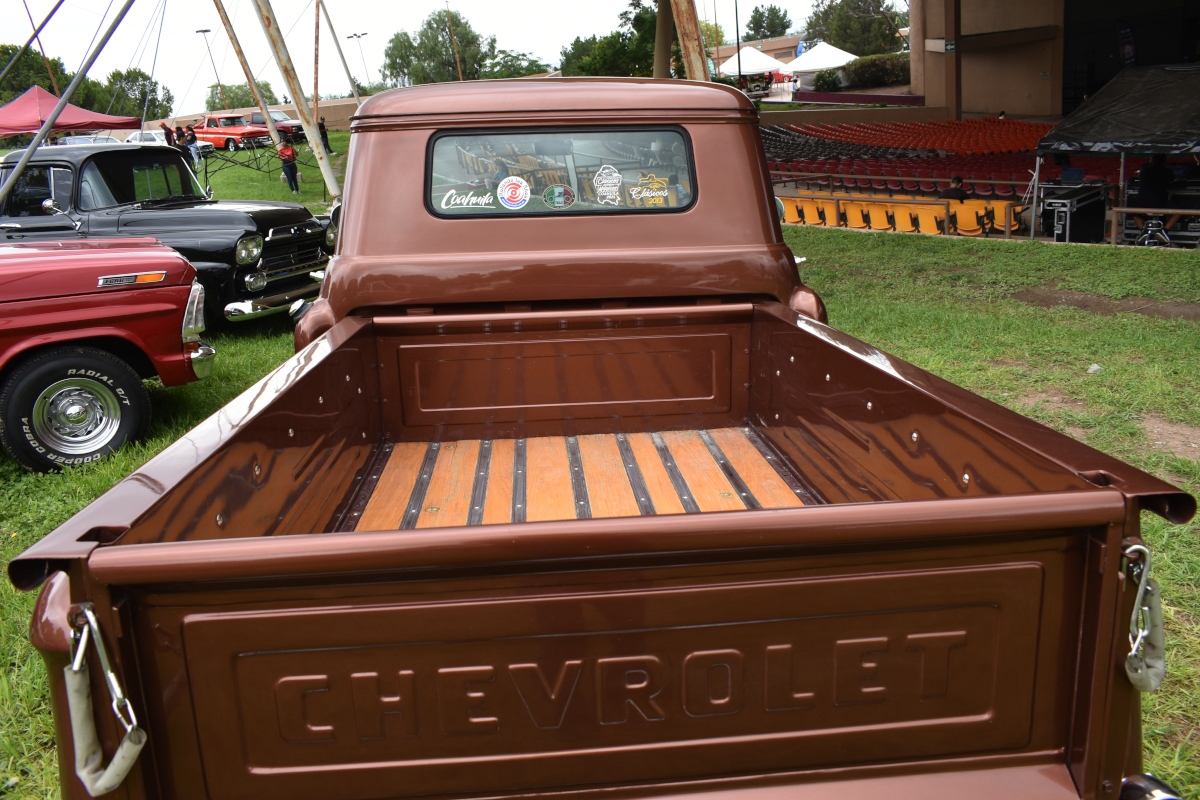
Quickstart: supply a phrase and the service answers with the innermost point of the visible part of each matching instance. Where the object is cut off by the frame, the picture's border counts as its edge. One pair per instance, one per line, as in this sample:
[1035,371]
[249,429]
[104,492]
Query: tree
[239,96]
[131,92]
[29,71]
[861,27]
[767,22]
[712,34]
[507,64]
[626,52]
[429,58]
[571,57]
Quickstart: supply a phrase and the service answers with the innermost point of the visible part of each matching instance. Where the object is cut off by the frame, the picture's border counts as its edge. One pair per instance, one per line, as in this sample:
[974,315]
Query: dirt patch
[1004,362]
[1181,440]
[1054,400]
[1045,297]
[1078,434]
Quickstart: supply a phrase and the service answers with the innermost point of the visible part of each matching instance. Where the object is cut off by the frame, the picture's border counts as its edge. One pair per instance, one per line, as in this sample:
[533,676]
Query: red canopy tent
[27,113]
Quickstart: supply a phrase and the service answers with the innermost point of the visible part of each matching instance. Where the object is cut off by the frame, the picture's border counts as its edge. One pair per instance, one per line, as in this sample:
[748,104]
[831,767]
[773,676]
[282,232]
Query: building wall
[1023,79]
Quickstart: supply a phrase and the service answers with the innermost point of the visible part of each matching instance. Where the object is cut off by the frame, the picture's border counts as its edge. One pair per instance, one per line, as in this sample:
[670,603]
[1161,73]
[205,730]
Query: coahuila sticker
[608,185]
[452,199]
[513,192]
[558,197]
[651,190]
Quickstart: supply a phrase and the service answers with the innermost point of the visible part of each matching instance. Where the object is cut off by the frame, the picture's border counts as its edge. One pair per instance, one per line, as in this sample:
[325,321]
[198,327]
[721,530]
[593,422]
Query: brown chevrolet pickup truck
[570,491]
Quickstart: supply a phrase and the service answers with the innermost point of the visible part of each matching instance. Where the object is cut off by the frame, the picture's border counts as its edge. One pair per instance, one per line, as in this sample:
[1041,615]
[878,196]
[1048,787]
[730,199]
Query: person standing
[193,145]
[325,137]
[287,157]
[168,134]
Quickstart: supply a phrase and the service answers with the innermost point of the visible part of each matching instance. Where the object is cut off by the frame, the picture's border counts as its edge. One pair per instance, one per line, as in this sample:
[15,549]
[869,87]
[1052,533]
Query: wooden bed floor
[481,482]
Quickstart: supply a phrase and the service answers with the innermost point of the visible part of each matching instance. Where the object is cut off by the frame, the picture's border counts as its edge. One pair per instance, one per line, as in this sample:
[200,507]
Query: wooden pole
[453,42]
[253,84]
[37,36]
[691,43]
[664,32]
[316,63]
[270,25]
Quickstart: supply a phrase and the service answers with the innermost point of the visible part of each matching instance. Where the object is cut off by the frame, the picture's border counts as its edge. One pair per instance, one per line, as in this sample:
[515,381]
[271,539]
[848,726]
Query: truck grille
[295,256]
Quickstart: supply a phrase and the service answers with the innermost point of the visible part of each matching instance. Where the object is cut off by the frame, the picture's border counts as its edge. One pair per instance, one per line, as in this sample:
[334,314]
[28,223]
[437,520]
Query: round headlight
[331,235]
[248,249]
[256,281]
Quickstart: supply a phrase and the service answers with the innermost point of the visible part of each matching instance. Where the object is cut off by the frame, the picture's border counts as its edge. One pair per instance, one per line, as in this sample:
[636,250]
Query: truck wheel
[231,145]
[71,405]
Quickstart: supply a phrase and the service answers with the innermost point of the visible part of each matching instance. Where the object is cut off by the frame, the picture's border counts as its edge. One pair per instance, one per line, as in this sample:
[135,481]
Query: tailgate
[533,678]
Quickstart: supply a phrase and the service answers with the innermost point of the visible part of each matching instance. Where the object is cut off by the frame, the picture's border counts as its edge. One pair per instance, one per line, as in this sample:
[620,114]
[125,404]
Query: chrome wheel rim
[76,416]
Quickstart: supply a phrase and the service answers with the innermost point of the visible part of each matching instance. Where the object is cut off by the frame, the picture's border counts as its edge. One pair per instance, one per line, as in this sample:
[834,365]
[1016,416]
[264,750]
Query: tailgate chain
[89,756]
[1146,663]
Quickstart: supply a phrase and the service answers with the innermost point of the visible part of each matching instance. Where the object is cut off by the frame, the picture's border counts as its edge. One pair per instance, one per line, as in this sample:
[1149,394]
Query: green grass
[238,183]
[33,505]
[942,304]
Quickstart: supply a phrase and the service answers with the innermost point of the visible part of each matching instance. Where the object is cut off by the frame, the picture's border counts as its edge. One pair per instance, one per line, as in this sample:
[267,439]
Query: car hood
[202,216]
[34,271]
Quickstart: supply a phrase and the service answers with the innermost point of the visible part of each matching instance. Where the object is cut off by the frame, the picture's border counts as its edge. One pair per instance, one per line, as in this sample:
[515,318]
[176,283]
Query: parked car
[158,137]
[84,323]
[226,131]
[88,139]
[253,257]
[283,124]
[570,491]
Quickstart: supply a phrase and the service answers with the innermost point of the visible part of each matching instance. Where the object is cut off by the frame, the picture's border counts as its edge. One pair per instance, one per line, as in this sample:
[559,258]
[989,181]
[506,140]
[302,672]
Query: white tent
[754,62]
[822,56]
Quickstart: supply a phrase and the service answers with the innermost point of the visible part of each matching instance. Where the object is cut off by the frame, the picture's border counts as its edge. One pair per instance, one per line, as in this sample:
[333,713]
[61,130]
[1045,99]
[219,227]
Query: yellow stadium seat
[811,212]
[856,215]
[930,219]
[878,216]
[791,210]
[833,215]
[902,217]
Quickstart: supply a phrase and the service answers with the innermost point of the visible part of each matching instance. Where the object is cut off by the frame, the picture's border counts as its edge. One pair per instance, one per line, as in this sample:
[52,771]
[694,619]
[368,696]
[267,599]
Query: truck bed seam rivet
[776,416]
[826,376]
[291,432]
[868,406]
[777,373]
[792,359]
[914,436]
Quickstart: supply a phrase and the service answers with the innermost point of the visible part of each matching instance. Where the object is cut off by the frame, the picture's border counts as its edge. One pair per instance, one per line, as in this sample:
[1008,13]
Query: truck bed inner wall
[845,420]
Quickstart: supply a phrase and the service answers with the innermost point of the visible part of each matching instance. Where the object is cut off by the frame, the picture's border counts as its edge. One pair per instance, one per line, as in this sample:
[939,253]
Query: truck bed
[492,481]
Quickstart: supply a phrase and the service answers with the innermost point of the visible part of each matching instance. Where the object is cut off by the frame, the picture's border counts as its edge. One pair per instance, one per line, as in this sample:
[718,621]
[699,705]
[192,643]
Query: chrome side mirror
[52,207]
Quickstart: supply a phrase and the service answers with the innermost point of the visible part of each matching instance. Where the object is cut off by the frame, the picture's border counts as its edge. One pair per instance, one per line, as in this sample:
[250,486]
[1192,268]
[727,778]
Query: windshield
[279,116]
[232,122]
[116,178]
[567,172]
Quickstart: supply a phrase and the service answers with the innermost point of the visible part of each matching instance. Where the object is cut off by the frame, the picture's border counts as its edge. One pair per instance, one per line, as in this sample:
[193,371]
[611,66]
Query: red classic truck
[570,491]
[82,324]
[230,131]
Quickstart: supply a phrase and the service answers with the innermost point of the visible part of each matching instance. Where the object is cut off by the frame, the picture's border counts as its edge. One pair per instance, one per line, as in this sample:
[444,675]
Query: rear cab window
[576,171]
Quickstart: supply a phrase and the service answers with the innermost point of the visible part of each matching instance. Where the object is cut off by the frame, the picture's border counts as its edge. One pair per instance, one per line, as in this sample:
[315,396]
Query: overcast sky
[539,27]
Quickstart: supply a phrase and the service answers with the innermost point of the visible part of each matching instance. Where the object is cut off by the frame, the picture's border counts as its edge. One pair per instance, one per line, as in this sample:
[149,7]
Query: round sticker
[558,197]
[513,192]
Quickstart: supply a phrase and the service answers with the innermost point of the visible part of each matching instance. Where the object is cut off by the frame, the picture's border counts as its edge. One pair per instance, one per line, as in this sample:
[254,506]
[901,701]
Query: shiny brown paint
[913,634]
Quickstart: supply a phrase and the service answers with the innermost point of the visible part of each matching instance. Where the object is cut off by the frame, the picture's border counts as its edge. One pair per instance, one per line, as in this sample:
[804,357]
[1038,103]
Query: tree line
[123,93]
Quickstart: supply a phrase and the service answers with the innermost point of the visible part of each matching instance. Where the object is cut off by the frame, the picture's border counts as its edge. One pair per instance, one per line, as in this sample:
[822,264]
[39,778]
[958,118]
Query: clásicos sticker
[558,197]
[513,192]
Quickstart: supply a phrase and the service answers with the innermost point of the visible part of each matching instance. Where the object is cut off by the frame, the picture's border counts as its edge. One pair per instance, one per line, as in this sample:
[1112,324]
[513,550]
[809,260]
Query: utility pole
[737,26]
[359,37]
[453,43]
[258,97]
[29,41]
[338,45]
[664,31]
[270,25]
[45,60]
[316,63]
[217,75]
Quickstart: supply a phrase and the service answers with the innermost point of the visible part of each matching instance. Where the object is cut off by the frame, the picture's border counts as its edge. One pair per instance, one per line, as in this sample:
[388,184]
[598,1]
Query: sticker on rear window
[608,185]
[558,197]
[513,192]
